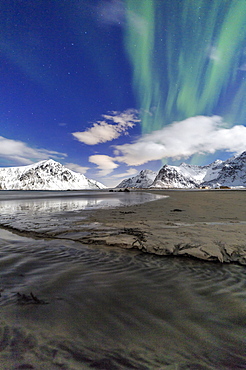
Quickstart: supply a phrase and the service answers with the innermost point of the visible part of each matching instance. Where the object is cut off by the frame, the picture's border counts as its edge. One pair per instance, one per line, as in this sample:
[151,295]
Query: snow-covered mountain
[143,180]
[172,177]
[201,173]
[231,172]
[44,175]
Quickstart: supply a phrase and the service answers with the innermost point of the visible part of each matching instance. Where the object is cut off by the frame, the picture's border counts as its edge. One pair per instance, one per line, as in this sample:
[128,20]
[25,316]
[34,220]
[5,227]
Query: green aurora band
[188,58]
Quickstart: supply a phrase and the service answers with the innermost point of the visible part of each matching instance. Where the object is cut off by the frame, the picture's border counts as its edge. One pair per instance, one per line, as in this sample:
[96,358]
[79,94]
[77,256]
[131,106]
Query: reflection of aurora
[188,59]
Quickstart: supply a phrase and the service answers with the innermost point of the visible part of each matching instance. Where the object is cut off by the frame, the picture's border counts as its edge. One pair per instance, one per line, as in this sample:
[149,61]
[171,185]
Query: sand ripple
[117,309]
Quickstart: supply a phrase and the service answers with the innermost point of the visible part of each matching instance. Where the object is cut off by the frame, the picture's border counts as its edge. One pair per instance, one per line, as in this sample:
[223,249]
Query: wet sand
[66,304]
[209,225]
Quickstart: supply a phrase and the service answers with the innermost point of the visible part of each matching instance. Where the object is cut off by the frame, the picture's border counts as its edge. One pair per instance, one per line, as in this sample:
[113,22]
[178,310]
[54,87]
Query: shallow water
[107,308]
[53,201]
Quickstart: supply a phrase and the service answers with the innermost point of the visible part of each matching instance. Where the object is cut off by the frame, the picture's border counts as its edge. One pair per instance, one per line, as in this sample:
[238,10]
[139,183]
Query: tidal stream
[66,305]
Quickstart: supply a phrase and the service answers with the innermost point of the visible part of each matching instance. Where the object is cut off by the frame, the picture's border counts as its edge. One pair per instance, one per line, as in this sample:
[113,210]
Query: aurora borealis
[188,59]
[109,87]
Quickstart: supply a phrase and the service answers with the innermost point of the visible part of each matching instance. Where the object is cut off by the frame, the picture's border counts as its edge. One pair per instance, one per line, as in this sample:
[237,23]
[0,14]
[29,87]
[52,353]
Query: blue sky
[110,87]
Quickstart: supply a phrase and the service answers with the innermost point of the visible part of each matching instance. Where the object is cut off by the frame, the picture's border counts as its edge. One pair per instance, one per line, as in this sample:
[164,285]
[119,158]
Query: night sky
[108,88]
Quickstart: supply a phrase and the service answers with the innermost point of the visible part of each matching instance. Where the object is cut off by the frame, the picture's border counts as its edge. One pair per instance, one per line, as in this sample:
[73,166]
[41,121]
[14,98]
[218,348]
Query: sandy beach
[77,290]
[206,224]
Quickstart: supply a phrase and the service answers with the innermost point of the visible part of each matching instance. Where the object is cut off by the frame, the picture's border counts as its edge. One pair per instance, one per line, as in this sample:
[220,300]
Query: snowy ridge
[44,175]
[231,172]
[172,177]
[143,180]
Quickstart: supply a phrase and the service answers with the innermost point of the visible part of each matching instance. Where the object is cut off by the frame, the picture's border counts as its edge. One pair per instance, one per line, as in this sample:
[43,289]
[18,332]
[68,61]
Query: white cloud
[111,12]
[214,54]
[19,152]
[102,131]
[183,139]
[139,23]
[115,12]
[77,168]
[113,181]
[242,67]
[105,163]
[130,172]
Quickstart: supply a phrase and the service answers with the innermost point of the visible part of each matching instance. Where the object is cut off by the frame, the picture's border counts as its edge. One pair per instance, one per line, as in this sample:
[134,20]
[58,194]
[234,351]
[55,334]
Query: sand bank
[205,224]
[209,225]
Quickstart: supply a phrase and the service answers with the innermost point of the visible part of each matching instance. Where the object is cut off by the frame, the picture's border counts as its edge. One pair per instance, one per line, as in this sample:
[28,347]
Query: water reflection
[46,205]
[59,211]
[51,202]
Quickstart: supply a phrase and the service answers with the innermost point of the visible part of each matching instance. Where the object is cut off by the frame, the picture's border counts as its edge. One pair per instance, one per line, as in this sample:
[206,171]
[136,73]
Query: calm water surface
[107,308]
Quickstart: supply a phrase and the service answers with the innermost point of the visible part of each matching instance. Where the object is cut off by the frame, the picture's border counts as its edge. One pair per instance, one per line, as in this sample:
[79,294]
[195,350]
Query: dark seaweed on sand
[29,299]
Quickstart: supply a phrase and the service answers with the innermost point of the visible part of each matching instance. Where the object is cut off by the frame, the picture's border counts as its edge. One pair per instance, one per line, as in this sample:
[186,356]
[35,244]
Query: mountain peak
[49,161]
[143,180]
[172,177]
[231,172]
[45,175]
